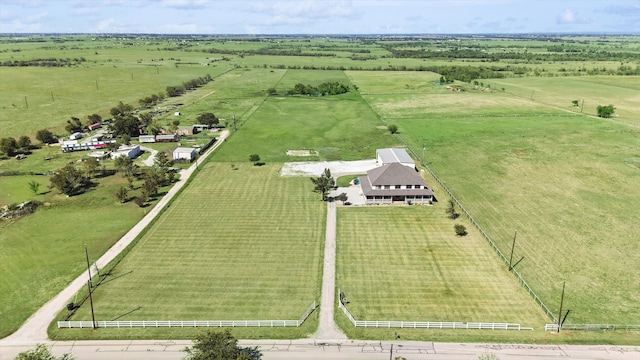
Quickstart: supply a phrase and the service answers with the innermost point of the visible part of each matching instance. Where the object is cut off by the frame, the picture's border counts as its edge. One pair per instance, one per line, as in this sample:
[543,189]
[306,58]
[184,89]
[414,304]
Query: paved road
[35,328]
[349,349]
[327,329]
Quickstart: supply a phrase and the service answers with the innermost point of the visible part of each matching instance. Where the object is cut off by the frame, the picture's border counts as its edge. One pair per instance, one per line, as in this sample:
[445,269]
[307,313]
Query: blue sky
[319,16]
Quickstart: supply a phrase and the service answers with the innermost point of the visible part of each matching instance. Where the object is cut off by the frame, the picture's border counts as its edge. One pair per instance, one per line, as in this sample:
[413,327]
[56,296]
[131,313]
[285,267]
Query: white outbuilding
[131,151]
[184,153]
[394,155]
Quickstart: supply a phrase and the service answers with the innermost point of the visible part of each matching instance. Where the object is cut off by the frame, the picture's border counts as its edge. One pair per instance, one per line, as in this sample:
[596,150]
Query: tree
[45,136]
[461,230]
[90,165]
[41,352]
[68,180]
[451,209]
[8,146]
[605,111]
[271,91]
[34,186]
[255,158]
[94,119]
[121,194]
[323,183]
[213,345]
[126,125]
[575,103]
[124,163]
[149,188]
[121,110]
[24,142]
[74,125]
[393,128]
[208,119]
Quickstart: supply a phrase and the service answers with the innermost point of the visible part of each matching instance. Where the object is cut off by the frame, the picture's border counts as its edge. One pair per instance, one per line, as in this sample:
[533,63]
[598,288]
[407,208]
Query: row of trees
[173,91]
[48,62]
[10,146]
[326,88]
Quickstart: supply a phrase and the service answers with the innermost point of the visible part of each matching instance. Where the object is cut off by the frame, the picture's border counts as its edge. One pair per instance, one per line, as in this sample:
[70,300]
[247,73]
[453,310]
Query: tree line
[173,91]
[48,62]
[326,88]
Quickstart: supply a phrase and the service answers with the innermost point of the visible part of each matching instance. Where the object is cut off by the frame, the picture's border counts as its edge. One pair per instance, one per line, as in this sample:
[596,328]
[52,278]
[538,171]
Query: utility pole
[423,146]
[512,247]
[86,254]
[532,94]
[97,84]
[582,107]
[561,301]
[25,102]
[234,122]
[93,316]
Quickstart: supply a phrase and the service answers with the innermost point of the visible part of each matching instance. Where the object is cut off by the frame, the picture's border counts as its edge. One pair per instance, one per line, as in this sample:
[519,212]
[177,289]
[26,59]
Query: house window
[387,186]
[398,186]
[409,186]
[418,187]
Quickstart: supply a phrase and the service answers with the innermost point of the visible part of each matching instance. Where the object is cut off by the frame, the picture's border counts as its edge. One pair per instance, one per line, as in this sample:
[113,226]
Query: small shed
[184,153]
[185,130]
[94,126]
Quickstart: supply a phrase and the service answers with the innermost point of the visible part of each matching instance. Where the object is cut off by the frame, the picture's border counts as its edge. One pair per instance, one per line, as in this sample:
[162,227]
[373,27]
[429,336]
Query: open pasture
[565,182]
[406,263]
[238,244]
[339,127]
[623,92]
[42,252]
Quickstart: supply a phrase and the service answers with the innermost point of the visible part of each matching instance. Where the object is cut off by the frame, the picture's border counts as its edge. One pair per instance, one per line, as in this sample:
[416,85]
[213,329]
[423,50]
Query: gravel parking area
[338,168]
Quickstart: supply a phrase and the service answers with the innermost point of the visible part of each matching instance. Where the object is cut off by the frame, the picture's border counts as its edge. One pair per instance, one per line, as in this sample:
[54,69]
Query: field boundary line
[592,327]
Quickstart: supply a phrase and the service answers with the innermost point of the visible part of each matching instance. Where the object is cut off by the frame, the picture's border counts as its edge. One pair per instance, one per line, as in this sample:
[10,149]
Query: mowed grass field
[238,244]
[566,182]
[407,263]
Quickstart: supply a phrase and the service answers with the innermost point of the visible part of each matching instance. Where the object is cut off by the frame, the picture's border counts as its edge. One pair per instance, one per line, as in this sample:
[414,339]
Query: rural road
[348,350]
[35,328]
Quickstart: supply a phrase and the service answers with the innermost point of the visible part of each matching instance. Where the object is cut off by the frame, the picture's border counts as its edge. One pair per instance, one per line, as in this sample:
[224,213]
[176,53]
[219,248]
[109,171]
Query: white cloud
[307,9]
[185,4]
[568,17]
[110,26]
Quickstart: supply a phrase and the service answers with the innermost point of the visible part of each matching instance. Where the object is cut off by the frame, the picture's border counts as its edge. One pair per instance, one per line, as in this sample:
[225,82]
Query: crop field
[406,263]
[565,182]
[237,244]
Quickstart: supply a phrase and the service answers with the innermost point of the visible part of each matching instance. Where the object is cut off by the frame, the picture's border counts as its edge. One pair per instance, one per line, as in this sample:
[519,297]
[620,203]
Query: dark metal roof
[393,174]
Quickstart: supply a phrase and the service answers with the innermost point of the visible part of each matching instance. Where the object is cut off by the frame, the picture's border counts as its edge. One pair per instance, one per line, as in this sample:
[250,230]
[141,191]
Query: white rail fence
[188,323]
[593,327]
[429,324]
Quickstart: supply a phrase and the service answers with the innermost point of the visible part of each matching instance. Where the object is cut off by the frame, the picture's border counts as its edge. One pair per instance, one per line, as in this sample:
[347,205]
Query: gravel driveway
[338,168]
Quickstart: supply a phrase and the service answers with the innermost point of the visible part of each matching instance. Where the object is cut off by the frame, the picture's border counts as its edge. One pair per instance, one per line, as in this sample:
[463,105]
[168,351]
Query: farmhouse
[395,182]
[130,151]
[394,155]
[184,153]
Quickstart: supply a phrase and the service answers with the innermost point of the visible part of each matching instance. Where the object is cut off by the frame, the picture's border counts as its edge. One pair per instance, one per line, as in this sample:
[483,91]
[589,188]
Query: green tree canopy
[8,146]
[323,183]
[68,180]
[207,118]
[213,345]
[605,111]
[45,136]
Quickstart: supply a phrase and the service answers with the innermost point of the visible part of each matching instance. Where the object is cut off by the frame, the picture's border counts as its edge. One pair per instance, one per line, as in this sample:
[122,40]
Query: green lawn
[565,182]
[406,263]
[237,244]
